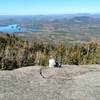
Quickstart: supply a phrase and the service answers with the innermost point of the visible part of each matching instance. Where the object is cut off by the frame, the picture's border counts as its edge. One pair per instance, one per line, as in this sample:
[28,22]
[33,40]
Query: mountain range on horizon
[67,27]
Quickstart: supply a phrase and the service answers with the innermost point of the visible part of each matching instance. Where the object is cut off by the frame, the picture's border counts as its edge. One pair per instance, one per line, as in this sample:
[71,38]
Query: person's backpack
[57,64]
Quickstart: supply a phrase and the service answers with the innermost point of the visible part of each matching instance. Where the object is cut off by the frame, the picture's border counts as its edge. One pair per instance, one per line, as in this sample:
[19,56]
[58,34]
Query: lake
[15,28]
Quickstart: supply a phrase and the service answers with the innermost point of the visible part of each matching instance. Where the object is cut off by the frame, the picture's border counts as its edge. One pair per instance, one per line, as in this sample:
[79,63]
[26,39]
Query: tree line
[16,53]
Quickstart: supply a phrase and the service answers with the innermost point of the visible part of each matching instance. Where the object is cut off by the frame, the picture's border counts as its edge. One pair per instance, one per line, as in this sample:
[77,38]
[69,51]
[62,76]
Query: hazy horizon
[53,14]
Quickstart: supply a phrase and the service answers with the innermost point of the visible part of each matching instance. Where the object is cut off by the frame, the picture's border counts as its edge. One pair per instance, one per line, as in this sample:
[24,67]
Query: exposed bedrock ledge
[67,83]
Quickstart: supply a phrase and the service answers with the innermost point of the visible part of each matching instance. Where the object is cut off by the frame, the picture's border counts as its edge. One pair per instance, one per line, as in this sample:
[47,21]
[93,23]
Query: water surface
[16,28]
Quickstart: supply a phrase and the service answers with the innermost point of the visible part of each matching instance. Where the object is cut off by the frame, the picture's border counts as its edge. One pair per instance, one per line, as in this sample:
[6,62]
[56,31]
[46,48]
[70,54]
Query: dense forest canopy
[16,53]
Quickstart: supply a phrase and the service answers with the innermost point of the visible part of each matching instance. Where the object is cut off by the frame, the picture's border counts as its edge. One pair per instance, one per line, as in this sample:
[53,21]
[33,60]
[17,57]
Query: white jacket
[52,62]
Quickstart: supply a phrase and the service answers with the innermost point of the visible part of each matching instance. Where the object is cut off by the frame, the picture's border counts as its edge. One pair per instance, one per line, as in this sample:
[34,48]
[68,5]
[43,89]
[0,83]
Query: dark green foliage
[16,53]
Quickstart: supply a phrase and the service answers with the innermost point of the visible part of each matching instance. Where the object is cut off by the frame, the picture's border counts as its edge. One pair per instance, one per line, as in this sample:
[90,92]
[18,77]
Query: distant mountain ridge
[64,27]
[85,19]
[6,20]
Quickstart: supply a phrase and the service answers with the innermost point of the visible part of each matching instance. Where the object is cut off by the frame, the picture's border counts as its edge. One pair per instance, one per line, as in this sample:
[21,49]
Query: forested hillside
[15,53]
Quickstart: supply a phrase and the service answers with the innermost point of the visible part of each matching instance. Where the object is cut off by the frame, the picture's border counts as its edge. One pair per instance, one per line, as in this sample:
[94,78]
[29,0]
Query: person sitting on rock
[53,62]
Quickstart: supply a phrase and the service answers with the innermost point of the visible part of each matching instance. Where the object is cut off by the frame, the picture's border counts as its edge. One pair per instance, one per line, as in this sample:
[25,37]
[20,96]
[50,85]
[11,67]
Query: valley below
[51,28]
